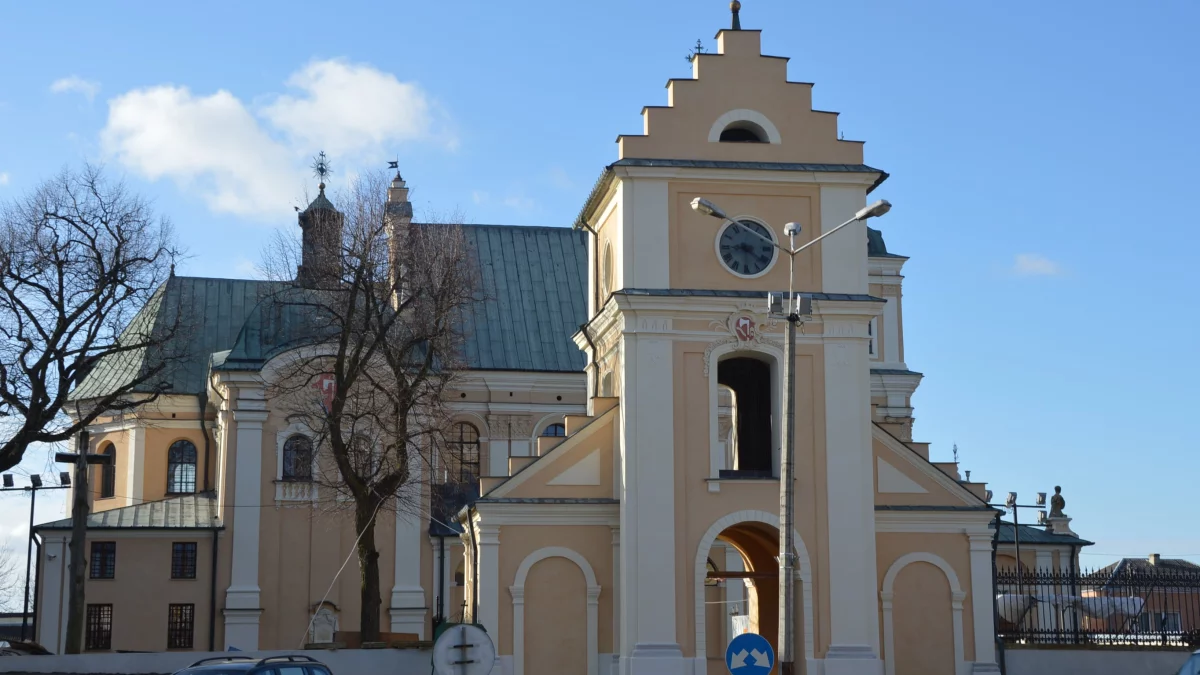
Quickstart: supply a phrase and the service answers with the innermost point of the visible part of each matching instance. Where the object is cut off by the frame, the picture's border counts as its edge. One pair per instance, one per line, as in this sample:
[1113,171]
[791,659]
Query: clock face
[743,249]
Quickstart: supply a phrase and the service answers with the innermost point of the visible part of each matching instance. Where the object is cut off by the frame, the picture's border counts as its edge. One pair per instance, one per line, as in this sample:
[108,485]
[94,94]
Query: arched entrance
[754,535]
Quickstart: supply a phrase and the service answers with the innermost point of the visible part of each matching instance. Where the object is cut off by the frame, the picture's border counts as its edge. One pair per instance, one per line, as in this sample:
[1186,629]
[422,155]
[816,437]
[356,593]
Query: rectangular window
[872,333]
[180,624]
[183,560]
[99,627]
[104,559]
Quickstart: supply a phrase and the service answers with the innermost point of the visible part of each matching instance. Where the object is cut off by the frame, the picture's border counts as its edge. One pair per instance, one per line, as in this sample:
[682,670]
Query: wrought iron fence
[1120,606]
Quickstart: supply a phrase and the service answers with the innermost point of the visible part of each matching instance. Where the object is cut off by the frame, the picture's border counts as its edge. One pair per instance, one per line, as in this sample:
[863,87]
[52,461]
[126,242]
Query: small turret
[321,223]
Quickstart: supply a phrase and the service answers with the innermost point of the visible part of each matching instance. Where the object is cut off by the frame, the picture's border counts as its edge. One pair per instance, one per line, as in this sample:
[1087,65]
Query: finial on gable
[736,7]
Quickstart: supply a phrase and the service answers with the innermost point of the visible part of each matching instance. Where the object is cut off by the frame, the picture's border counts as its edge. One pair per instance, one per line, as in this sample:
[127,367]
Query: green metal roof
[533,298]
[211,312]
[185,512]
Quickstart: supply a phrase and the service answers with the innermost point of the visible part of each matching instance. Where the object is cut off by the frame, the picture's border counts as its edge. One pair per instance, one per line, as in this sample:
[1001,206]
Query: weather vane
[394,165]
[321,168]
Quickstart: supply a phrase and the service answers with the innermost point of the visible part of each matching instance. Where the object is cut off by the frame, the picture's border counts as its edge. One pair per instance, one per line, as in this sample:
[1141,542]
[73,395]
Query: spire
[736,7]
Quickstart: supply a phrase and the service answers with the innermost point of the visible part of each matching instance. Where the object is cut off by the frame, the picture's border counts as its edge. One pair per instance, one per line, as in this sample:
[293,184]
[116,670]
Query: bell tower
[679,325]
[321,225]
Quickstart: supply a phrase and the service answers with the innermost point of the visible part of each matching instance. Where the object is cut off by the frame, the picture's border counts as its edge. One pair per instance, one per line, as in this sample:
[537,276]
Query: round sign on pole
[463,650]
[749,654]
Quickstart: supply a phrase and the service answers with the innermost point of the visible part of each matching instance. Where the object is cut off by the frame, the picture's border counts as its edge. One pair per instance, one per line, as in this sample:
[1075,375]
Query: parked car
[1192,667]
[248,665]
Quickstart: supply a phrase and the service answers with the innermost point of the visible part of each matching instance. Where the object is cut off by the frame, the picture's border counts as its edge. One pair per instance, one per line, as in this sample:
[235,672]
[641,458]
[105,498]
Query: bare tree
[80,256]
[379,320]
[12,578]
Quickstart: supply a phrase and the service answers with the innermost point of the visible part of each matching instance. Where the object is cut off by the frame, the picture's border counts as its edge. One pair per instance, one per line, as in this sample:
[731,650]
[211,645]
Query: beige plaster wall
[693,235]
[597,440]
[142,589]
[935,495]
[593,542]
[922,621]
[122,444]
[555,618]
[738,77]
[918,594]
[697,508]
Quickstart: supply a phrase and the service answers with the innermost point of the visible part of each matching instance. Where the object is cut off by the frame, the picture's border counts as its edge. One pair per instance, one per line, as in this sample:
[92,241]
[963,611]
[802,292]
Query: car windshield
[1192,667]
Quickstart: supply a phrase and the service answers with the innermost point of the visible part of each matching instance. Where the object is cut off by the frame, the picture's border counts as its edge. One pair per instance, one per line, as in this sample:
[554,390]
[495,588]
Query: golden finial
[736,7]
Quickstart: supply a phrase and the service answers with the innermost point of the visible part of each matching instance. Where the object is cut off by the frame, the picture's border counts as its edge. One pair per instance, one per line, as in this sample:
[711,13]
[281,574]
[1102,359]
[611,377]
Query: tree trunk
[368,563]
[78,565]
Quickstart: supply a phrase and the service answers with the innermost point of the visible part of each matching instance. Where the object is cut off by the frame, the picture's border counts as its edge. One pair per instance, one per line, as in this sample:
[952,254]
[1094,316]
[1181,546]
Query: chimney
[1154,557]
[320,262]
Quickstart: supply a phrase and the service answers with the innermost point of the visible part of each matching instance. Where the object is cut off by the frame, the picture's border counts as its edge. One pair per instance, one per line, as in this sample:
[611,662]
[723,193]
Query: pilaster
[649,642]
[853,581]
[243,606]
[135,472]
[488,537]
[408,605]
[982,610]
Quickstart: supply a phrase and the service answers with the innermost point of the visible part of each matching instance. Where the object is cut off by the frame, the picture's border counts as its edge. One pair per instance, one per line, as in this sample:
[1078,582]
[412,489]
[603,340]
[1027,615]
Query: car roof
[234,662]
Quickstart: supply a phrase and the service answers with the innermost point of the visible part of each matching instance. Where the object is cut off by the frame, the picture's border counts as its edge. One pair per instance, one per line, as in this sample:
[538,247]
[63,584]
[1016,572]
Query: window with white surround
[295,465]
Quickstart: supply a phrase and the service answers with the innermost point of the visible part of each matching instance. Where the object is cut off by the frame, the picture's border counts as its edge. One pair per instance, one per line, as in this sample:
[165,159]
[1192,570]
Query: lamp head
[701,205]
[1011,501]
[792,229]
[64,478]
[874,210]
[1041,499]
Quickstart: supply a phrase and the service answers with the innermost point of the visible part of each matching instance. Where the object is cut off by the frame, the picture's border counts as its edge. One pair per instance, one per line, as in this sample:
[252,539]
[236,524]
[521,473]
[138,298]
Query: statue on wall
[1057,503]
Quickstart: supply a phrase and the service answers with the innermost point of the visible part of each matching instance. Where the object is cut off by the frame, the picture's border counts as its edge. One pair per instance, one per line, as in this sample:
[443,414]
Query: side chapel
[615,506]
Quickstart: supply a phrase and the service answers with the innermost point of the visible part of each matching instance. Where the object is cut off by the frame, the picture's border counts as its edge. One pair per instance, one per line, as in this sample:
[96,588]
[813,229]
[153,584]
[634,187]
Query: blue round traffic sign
[749,654]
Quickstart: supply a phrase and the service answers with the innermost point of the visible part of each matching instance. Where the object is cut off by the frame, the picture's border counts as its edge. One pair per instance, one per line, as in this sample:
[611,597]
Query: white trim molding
[517,590]
[701,572]
[956,605]
[744,115]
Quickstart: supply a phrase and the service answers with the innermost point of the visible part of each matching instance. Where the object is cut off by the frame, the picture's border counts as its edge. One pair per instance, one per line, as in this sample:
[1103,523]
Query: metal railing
[1118,606]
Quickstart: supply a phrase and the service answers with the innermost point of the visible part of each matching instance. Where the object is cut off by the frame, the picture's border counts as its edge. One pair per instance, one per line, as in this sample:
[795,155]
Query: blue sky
[1041,158]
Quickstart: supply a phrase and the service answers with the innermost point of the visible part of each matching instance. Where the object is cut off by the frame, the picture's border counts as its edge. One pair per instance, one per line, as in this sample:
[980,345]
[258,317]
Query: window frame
[179,559]
[98,621]
[108,472]
[288,463]
[557,426]
[98,558]
[181,626]
[172,463]
[456,454]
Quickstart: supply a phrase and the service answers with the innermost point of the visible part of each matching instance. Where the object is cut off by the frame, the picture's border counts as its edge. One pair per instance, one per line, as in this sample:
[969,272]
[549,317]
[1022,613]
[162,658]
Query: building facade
[622,410]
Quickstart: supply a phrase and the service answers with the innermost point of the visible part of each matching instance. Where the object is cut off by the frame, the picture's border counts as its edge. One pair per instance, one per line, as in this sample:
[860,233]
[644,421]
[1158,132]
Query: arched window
[181,468]
[743,131]
[297,458]
[555,430]
[749,379]
[462,462]
[108,472]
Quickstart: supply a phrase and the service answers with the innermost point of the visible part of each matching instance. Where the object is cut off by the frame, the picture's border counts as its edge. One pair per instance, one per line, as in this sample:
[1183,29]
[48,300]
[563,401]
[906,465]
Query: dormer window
[743,131]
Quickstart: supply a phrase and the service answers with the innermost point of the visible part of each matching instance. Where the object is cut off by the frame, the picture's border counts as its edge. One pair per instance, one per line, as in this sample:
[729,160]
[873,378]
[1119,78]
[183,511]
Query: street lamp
[35,484]
[1010,502]
[795,310]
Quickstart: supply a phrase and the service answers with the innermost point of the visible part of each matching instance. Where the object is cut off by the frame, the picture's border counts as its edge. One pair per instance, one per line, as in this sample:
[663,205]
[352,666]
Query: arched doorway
[754,536]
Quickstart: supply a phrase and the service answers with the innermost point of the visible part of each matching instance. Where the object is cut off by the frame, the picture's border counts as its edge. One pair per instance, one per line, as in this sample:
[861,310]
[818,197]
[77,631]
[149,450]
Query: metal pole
[787,563]
[1017,545]
[28,561]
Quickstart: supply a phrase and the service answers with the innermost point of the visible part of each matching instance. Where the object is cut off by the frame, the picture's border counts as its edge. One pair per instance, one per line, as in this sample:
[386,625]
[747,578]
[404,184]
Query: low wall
[1054,661]
[340,661]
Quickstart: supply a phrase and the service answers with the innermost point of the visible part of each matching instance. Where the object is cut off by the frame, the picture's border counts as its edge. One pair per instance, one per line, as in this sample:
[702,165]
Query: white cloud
[74,83]
[3,178]
[349,108]
[255,165]
[1035,265]
[479,196]
[211,144]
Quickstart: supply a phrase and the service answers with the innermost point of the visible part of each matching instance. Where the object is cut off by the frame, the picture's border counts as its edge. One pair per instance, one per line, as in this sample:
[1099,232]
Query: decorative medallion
[745,327]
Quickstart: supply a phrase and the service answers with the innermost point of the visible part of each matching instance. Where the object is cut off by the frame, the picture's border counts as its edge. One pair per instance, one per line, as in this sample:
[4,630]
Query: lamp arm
[794,252]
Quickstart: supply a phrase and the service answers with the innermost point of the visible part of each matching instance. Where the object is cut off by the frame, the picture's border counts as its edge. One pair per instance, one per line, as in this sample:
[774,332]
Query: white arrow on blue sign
[749,654]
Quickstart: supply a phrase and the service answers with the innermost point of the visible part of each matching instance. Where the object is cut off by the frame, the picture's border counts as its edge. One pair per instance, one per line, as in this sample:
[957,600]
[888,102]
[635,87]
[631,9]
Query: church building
[615,503]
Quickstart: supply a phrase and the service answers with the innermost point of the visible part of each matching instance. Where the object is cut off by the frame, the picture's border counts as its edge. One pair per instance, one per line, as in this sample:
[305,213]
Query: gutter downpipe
[212,598]
[583,328]
[442,578]
[202,402]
